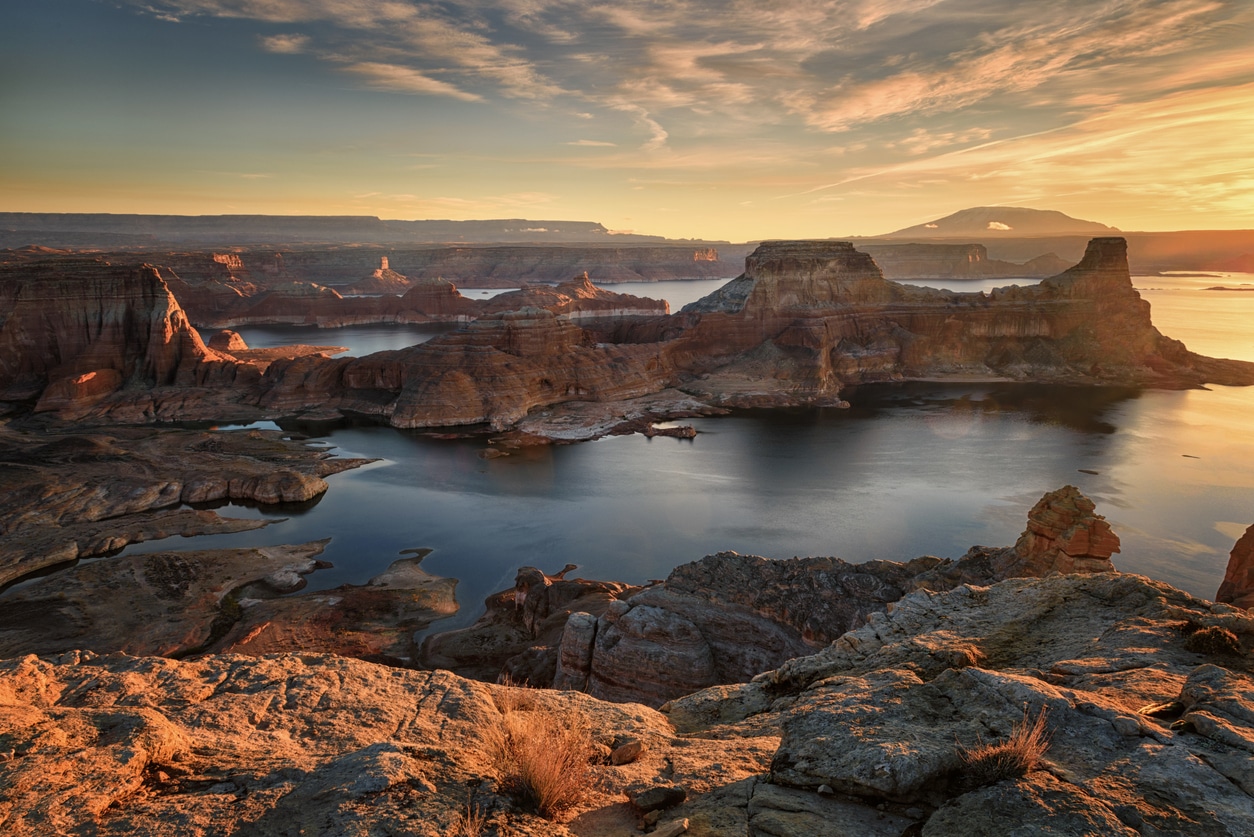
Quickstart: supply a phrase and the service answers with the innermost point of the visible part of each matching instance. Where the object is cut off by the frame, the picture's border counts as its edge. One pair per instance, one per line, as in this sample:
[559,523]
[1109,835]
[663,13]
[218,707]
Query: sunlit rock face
[1238,585]
[1064,535]
[74,332]
[577,299]
[494,371]
[808,317]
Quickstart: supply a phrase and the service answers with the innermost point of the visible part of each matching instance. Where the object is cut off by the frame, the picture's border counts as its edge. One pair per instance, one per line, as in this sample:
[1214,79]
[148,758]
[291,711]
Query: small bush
[469,822]
[1213,641]
[1018,755]
[544,757]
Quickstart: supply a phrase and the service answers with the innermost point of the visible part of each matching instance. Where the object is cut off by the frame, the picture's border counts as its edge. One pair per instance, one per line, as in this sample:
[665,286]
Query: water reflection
[911,469]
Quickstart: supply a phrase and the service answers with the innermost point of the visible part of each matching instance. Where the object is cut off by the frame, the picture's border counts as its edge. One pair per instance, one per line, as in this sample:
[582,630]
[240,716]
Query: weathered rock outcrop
[727,617]
[75,495]
[1064,535]
[519,634]
[1238,585]
[578,300]
[808,317]
[382,281]
[955,261]
[74,332]
[805,320]
[237,601]
[865,738]
[493,371]
[227,341]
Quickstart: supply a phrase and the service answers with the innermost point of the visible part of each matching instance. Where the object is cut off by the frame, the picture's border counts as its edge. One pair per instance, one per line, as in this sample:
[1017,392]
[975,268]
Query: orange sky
[736,120]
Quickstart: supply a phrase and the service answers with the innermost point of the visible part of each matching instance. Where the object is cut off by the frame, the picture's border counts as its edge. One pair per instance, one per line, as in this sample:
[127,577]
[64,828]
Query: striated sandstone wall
[74,332]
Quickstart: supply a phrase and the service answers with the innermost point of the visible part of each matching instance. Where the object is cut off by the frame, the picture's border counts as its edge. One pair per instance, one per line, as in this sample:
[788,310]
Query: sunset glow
[736,120]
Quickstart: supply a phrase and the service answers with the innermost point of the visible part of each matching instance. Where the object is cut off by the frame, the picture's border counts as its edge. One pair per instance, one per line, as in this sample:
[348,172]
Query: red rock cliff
[80,330]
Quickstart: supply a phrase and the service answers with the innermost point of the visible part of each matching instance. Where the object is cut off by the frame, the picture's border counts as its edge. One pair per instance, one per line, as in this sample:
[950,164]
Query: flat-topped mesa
[796,277]
[810,317]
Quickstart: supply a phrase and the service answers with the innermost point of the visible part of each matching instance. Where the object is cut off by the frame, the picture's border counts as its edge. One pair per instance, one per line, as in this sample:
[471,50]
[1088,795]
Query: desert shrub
[469,822]
[1018,755]
[516,697]
[1213,640]
[541,755]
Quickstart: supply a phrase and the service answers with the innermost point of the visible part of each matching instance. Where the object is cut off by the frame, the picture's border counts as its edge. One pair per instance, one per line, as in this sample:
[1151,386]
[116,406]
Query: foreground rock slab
[303,744]
[76,493]
[1145,735]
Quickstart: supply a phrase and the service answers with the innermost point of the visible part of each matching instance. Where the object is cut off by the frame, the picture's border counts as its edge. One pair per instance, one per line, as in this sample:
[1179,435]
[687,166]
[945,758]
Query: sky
[734,120]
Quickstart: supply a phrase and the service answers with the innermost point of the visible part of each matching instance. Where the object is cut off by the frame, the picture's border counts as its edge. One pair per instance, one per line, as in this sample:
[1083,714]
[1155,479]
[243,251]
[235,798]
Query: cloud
[998,225]
[587,143]
[285,44]
[407,80]
[831,67]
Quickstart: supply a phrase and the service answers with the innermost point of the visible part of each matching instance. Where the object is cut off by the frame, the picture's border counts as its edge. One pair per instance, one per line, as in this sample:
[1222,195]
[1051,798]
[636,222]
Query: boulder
[1237,588]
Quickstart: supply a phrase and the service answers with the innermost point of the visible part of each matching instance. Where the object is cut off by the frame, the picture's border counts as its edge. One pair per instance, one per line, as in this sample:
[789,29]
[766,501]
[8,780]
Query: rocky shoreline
[861,722]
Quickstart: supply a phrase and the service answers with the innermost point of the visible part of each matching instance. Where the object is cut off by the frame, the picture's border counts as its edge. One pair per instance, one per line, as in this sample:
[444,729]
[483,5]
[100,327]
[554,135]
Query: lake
[911,469]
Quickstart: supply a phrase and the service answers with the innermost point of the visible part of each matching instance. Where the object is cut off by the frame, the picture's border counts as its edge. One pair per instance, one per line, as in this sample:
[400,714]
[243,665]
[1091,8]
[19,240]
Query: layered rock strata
[578,300]
[808,317]
[75,332]
[805,320]
[955,261]
[65,496]
[494,372]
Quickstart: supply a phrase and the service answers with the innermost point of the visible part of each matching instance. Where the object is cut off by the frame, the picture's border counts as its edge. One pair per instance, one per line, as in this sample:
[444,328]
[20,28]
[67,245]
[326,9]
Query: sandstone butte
[811,697]
[91,341]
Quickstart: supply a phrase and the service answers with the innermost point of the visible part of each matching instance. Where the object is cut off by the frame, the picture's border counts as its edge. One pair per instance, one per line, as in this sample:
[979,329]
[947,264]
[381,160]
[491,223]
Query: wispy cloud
[813,101]
[407,80]
[830,67]
[285,44]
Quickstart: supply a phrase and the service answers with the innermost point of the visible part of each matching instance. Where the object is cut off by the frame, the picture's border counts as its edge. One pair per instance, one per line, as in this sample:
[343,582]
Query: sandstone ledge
[228,744]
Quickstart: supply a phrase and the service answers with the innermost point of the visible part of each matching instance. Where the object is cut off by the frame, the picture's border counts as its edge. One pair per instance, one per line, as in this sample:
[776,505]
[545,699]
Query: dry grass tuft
[469,822]
[1213,641]
[544,757]
[1018,755]
[516,697]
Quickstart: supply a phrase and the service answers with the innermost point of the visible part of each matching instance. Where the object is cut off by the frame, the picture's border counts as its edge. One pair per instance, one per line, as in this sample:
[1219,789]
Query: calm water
[910,470]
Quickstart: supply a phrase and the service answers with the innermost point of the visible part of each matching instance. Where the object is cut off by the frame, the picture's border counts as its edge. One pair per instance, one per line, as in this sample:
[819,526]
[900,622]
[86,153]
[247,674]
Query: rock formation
[864,738]
[1064,535]
[1238,585]
[805,320]
[578,300]
[955,261]
[808,317]
[727,617]
[382,281]
[73,332]
[227,341]
[65,496]
[493,371]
